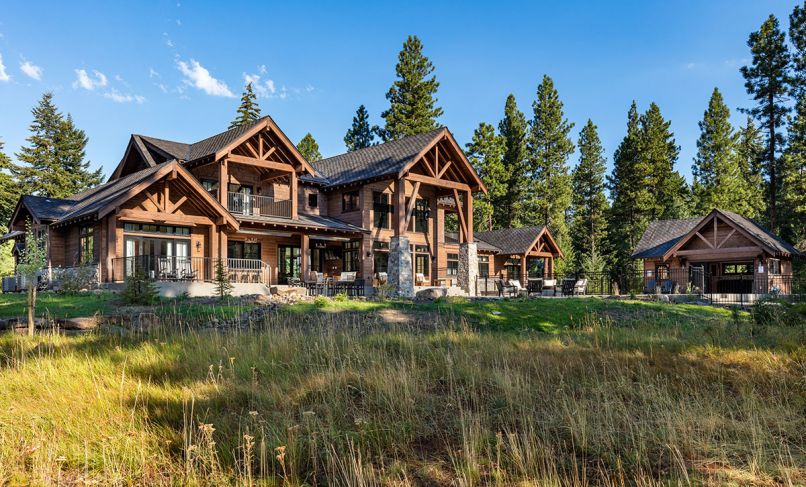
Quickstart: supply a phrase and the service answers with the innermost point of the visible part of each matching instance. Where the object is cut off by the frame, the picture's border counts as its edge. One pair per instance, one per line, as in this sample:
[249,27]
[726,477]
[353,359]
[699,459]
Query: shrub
[139,289]
[78,279]
[321,302]
[340,298]
[384,291]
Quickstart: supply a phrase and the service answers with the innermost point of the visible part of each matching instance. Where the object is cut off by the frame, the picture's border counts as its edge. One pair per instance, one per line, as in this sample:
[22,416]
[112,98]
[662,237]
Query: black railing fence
[178,268]
[696,282]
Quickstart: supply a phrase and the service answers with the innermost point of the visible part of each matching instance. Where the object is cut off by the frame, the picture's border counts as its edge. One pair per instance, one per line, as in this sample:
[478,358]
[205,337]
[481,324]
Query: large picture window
[381,210]
[86,245]
[243,250]
[349,201]
[422,212]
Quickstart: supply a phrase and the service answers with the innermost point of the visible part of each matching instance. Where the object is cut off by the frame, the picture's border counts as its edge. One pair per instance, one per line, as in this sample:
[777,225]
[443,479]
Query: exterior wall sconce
[198,246]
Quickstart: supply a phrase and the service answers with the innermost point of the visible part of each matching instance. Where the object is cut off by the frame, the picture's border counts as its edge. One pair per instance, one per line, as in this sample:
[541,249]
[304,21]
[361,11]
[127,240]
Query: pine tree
[750,158]
[360,135]
[9,190]
[223,286]
[797,34]
[767,80]
[486,152]
[53,162]
[248,111]
[72,143]
[718,179]
[412,97]
[632,199]
[589,203]
[548,149]
[658,153]
[512,129]
[309,148]
[793,190]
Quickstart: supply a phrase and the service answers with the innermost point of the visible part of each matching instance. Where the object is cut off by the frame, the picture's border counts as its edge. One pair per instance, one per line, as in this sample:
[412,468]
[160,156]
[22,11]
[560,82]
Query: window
[211,186]
[151,228]
[484,265]
[381,261]
[421,215]
[378,245]
[421,263]
[662,272]
[313,200]
[775,266]
[349,201]
[243,250]
[453,264]
[735,269]
[381,210]
[350,255]
[86,245]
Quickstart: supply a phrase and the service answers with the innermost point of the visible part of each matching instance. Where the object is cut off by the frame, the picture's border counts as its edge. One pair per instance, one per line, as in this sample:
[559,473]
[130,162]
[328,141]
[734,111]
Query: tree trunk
[773,175]
[31,306]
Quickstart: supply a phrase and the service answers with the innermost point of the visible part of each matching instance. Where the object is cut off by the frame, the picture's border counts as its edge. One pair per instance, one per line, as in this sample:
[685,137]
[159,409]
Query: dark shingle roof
[43,208]
[511,240]
[95,199]
[452,238]
[317,221]
[202,148]
[661,235]
[373,162]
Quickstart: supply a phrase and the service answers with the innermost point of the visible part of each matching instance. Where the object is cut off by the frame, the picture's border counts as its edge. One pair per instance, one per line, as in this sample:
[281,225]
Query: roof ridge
[380,145]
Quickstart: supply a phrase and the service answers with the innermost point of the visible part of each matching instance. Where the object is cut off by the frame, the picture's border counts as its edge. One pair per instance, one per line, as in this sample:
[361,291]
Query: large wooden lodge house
[247,198]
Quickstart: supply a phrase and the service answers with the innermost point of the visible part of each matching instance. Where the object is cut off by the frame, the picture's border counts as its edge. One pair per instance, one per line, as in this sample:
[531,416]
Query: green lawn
[56,305]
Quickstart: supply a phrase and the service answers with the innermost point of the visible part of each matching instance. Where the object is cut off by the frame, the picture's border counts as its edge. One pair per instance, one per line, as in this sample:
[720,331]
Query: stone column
[400,268]
[468,267]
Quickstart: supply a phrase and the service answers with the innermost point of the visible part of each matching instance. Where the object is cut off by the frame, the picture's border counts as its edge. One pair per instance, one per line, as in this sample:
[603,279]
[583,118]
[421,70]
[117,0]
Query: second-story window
[381,210]
[313,200]
[211,186]
[421,214]
[349,201]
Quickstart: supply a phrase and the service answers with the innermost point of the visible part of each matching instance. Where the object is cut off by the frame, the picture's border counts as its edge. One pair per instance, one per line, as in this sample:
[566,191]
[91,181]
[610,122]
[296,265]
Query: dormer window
[313,200]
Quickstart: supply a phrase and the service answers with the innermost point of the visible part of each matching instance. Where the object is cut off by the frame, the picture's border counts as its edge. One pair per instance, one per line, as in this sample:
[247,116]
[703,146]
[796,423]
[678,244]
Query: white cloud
[83,80]
[3,75]
[152,73]
[263,89]
[31,70]
[262,69]
[198,76]
[119,97]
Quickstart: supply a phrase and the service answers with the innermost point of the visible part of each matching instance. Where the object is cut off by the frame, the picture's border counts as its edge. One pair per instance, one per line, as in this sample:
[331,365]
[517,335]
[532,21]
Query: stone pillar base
[400,267]
[468,267]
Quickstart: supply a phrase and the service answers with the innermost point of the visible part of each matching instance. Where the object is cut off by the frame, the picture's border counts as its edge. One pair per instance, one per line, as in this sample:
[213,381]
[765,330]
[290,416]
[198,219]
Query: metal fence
[177,268]
[694,283]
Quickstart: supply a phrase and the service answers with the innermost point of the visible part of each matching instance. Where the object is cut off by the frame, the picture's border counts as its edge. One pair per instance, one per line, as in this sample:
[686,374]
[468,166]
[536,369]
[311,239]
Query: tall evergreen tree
[486,152]
[793,190]
[631,199]
[718,179]
[309,148]
[360,135]
[750,158]
[766,79]
[9,190]
[72,144]
[549,146]
[797,34]
[52,164]
[248,111]
[412,98]
[513,131]
[658,153]
[589,221]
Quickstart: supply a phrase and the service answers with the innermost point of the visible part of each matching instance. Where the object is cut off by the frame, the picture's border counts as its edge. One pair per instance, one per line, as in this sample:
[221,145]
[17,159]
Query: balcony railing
[250,205]
[175,268]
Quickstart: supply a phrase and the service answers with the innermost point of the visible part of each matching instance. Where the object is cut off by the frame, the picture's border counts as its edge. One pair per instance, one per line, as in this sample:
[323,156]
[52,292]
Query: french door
[289,260]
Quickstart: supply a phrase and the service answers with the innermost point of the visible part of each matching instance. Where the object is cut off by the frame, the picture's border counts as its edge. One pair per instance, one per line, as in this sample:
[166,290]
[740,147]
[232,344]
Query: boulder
[274,290]
[663,298]
[297,292]
[430,294]
[263,300]
[80,323]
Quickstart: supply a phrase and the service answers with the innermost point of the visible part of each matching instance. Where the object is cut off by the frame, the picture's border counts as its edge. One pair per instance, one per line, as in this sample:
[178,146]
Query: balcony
[240,204]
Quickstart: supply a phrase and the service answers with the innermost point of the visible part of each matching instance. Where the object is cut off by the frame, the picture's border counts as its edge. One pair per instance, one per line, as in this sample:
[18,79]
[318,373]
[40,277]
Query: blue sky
[175,69]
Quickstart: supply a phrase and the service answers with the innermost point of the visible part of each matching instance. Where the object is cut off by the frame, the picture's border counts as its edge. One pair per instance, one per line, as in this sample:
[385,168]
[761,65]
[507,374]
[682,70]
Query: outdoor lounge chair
[580,287]
[347,277]
[534,286]
[550,285]
[669,287]
[650,287]
[419,279]
[568,287]
[505,288]
[516,285]
[382,277]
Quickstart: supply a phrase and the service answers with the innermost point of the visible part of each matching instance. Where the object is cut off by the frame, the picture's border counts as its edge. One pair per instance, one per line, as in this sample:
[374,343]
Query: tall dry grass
[341,399]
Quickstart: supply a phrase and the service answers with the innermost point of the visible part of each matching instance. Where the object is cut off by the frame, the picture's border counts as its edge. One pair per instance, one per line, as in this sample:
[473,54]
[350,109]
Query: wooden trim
[444,169]
[722,242]
[280,166]
[469,216]
[152,216]
[714,213]
[412,203]
[460,212]
[437,182]
[717,252]
[294,196]
[709,244]
[399,197]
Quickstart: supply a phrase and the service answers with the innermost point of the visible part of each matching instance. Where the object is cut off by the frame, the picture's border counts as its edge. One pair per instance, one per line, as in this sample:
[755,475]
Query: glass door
[289,260]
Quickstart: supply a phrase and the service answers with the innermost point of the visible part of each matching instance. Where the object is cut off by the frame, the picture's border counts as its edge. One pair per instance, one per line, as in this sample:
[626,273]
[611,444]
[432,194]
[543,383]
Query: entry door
[289,260]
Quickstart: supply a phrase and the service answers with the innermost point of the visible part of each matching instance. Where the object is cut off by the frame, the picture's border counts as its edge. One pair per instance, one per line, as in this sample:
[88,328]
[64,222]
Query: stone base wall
[400,267]
[468,267]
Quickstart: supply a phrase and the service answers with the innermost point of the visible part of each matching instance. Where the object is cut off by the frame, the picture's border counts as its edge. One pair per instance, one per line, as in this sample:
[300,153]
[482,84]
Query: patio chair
[534,286]
[568,287]
[580,287]
[382,277]
[669,287]
[419,279]
[504,288]
[167,271]
[516,285]
[550,285]
[347,277]
[650,287]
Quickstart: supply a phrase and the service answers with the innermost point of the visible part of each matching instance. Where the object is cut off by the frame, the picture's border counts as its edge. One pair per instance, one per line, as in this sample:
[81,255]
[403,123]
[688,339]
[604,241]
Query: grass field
[541,392]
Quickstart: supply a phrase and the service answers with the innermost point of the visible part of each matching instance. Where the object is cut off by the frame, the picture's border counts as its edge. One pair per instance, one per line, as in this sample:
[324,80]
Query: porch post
[400,265]
[304,257]
[223,183]
[294,196]
[468,266]
[524,279]
[212,251]
[111,247]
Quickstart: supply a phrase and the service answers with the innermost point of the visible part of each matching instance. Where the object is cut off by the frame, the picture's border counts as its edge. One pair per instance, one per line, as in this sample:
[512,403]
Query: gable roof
[376,161]
[662,235]
[513,240]
[452,238]
[44,208]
